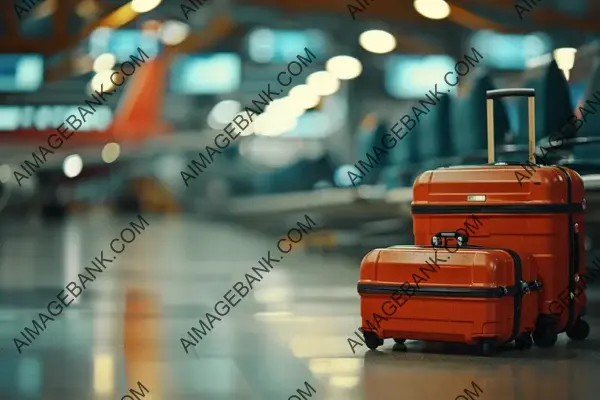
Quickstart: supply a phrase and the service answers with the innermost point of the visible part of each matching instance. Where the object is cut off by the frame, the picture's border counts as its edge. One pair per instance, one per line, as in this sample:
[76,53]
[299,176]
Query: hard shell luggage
[479,296]
[543,216]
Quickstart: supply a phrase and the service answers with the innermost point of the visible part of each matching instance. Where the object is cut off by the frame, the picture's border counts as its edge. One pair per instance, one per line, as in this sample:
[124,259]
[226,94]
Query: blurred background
[209,61]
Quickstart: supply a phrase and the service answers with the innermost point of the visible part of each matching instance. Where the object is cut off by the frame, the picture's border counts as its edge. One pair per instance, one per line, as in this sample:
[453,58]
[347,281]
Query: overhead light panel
[432,9]
[344,67]
[377,41]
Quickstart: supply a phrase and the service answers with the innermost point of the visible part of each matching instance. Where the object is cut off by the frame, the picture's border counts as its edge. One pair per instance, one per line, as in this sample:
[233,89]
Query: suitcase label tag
[476,197]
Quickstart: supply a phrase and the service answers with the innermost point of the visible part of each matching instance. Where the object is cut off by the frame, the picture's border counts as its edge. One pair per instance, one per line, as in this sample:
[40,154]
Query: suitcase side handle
[461,240]
[517,92]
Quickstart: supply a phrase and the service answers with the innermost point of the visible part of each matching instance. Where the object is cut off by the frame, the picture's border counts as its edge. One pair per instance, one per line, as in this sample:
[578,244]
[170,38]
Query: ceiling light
[173,32]
[268,124]
[286,105]
[282,124]
[223,112]
[432,9]
[142,6]
[261,124]
[250,129]
[344,67]
[377,41]
[323,83]
[72,165]
[104,61]
[304,96]
[565,59]
[111,152]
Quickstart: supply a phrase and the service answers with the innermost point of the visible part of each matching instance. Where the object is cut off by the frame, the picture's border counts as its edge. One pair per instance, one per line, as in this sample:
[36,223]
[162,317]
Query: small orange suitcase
[478,296]
[542,216]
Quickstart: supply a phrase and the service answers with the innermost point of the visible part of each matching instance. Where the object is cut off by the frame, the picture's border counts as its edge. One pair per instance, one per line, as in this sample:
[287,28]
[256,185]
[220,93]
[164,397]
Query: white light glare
[377,41]
[270,124]
[173,32]
[344,67]
[286,105]
[304,96]
[72,165]
[142,6]
[111,152]
[104,61]
[5,172]
[323,83]
[432,9]
[222,113]
[102,80]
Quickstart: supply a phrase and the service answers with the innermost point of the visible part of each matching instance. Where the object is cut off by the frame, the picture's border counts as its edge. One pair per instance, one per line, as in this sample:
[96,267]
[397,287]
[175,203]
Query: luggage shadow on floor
[505,351]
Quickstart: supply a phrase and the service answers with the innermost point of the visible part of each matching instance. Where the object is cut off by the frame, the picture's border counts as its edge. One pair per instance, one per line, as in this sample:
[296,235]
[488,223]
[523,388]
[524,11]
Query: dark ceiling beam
[389,10]
[410,44]
[66,67]
[217,29]
[470,20]
[9,20]
[60,20]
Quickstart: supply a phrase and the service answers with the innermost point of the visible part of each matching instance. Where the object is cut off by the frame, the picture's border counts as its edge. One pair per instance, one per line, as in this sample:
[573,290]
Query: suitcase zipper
[471,292]
[440,291]
[496,209]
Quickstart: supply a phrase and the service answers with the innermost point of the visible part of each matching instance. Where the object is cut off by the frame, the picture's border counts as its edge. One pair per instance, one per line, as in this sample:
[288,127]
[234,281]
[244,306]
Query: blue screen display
[509,52]
[206,74]
[411,77]
[281,46]
[21,72]
[42,117]
[123,43]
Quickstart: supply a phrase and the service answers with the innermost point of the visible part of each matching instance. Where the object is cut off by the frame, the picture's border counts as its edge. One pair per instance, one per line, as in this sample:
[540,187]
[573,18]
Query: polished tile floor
[292,328]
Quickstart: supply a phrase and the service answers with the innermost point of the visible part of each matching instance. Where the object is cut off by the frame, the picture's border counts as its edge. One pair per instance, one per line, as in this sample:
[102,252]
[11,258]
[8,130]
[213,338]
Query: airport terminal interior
[191,190]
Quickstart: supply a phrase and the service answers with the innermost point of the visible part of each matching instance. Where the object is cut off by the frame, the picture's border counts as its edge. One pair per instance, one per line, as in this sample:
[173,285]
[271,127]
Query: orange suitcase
[542,216]
[477,296]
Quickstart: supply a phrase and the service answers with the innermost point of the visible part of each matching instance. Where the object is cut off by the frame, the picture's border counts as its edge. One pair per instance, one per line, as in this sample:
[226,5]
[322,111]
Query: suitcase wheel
[524,341]
[486,348]
[399,341]
[372,340]
[545,335]
[579,330]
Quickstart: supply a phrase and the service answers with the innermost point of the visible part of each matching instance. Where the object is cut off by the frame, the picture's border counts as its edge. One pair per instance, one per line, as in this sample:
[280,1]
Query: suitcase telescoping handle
[496,94]
[461,240]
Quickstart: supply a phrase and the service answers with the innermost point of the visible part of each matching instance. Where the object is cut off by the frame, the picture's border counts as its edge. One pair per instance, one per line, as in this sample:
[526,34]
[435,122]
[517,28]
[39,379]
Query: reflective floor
[291,329]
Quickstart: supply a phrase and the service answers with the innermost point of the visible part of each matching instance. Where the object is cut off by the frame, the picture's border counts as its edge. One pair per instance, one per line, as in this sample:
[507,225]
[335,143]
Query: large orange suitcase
[477,296]
[542,216]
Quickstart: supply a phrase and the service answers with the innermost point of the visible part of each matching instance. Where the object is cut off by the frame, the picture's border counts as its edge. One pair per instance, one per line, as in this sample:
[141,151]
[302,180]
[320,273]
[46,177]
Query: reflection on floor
[125,328]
